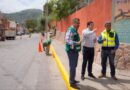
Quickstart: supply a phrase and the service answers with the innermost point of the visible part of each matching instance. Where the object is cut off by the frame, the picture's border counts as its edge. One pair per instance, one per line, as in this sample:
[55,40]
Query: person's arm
[41,37]
[68,38]
[94,38]
[82,36]
[117,42]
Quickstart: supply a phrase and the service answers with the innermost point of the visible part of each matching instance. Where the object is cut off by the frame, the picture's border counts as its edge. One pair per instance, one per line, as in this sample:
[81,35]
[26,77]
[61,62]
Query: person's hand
[72,47]
[104,39]
[79,42]
[113,51]
[94,30]
[95,40]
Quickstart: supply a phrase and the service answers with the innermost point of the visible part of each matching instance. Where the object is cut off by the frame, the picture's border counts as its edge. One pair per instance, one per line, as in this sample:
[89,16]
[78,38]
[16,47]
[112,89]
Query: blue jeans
[73,60]
[104,55]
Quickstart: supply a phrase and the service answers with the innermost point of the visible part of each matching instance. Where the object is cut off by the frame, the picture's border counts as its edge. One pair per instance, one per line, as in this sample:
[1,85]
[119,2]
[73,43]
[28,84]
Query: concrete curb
[61,68]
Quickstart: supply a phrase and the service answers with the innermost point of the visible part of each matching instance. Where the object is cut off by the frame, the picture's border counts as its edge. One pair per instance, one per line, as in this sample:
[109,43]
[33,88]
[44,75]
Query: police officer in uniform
[110,43]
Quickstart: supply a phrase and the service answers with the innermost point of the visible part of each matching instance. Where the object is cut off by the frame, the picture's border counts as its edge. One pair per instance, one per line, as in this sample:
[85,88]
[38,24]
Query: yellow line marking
[61,68]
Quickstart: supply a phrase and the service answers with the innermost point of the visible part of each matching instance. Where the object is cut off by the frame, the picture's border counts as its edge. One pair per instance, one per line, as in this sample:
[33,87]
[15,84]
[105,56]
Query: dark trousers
[105,54]
[73,60]
[88,56]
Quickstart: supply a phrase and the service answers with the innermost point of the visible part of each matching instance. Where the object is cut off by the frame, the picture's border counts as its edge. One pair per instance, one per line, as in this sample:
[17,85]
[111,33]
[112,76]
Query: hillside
[22,16]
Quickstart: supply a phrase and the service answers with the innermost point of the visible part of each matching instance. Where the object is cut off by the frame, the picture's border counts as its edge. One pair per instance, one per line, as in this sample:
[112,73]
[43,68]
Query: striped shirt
[68,37]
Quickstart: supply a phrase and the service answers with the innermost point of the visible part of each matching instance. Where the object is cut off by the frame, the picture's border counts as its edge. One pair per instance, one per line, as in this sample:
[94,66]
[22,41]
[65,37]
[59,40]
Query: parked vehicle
[2,31]
[10,33]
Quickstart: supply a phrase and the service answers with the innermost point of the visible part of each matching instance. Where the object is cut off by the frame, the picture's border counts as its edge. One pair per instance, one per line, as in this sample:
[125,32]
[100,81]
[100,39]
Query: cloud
[9,6]
[28,2]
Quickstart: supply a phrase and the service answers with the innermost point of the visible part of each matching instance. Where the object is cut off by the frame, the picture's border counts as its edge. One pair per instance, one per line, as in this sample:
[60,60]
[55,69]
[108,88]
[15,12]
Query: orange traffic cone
[39,47]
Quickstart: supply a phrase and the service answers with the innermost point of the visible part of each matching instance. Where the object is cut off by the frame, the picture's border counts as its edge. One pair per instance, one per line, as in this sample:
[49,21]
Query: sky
[10,6]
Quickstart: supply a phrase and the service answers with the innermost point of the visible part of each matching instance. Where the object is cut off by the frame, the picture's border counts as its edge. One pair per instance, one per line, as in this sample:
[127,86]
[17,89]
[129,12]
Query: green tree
[31,24]
[58,9]
[41,24]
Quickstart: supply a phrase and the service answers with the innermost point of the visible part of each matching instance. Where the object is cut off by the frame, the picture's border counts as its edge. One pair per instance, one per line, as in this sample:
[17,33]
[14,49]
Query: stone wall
[123,57]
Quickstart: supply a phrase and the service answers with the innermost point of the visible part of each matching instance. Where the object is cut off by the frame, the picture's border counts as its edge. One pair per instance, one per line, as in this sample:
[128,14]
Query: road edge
[61,68]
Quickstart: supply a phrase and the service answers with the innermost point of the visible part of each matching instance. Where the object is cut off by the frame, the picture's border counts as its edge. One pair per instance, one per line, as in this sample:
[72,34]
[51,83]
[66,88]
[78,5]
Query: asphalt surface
[23,68]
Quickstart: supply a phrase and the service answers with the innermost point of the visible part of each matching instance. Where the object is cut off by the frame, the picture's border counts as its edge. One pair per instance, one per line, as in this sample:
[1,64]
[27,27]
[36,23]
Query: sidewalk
[93,84]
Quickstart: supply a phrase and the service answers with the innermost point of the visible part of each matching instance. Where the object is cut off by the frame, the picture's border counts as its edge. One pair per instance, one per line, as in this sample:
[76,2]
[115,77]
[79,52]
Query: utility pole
[46,19]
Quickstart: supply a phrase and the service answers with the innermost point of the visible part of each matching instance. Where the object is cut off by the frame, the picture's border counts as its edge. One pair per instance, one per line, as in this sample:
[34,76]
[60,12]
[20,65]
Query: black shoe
[102,75]
[48,54]
[114,77]
[92,76]
[82,77]
[74,86]
[75,81]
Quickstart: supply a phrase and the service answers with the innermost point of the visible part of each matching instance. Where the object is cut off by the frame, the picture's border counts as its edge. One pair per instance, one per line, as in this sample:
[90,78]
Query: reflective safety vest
[76,38]
[110,38]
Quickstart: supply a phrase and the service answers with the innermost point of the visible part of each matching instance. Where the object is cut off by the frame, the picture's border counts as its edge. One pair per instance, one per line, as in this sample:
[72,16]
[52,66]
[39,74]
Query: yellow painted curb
[61,68]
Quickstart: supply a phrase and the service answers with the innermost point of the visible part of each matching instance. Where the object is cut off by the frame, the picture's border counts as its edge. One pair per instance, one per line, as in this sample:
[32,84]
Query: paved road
[23,68]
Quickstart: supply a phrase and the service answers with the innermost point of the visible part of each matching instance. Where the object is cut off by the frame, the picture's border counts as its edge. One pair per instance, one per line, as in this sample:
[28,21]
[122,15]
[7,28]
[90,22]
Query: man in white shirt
[88,42]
